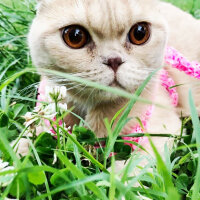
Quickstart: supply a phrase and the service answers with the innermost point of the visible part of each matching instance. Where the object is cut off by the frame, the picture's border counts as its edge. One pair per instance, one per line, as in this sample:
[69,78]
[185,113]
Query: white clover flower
[3,164]
[63,92]
[28,116]
[7,179]
[56,93]
[48,91]
[62,107]
[38,108]
[49,110]
[30,119]
[42,114]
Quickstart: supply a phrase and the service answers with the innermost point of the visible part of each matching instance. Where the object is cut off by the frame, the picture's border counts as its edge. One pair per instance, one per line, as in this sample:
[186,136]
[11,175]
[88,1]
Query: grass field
[69,167]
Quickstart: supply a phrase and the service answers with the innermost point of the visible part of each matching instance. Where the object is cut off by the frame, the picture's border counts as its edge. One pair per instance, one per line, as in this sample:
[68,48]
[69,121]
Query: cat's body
[108,23]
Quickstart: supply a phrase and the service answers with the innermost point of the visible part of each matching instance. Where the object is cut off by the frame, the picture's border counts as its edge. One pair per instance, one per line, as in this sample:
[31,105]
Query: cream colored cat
[116,43]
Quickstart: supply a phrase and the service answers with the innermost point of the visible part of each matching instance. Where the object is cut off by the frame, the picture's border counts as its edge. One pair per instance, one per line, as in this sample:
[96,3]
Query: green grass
[73,168]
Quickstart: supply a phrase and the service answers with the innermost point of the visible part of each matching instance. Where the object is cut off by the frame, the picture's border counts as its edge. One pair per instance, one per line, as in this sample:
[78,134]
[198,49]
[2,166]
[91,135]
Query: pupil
[140,32]
[76,36]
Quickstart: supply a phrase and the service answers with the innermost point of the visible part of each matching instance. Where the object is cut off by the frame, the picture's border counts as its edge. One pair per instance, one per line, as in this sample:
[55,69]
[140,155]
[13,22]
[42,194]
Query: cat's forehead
[97,15]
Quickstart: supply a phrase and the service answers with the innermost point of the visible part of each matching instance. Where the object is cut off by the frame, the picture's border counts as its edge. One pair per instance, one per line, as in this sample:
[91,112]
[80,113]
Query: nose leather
[114,63]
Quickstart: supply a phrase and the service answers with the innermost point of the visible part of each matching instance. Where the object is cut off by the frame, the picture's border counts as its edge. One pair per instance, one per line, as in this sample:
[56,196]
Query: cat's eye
[139,33]
[75,36]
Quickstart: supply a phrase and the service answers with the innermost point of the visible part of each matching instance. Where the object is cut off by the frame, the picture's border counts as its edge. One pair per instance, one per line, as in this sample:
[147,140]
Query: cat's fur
[108,22]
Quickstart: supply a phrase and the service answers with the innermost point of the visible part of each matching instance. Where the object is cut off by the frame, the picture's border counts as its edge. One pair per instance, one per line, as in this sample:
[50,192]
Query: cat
[116,43]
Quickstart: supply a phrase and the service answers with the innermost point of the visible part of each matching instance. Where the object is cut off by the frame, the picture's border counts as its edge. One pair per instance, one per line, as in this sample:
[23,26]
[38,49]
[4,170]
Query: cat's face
[113,42]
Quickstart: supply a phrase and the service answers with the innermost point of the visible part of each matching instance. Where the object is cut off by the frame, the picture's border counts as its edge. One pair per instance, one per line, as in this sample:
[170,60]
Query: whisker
[87,100]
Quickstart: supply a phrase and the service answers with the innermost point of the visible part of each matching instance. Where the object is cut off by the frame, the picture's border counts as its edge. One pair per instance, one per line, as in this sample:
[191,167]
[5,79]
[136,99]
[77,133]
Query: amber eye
[139,33]
[75,37]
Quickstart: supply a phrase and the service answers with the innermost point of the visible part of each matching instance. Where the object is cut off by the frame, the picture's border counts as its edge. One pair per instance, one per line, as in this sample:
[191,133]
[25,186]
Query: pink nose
[114,63]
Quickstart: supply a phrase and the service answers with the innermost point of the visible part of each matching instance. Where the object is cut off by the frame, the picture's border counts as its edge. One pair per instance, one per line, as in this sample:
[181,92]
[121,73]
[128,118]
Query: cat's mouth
[116,83]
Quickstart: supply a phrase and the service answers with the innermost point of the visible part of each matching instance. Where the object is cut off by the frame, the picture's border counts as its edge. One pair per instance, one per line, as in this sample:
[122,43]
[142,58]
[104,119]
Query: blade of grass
[117,115]
[15,76]
[120,124]
[5,146]
[87,154]
[5,70]
[29,169]
[150,191]
[132,163]
[78,161]
[196,125]
[40,164]
[97,191]
[112,180]
[116,91]
[134,143]
[86,180]
[152,135]
[133,180]
[163,171]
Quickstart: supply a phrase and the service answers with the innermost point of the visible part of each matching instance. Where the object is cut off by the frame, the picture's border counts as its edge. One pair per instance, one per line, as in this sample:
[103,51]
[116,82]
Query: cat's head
[113,42]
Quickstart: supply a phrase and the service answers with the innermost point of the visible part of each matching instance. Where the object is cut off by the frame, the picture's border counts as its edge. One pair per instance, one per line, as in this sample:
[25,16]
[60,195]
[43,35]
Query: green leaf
[182,182]
[63,177]
[123,151]
[9,134]
[88,181]
[131,196]
[18,187]
[3,119]
[84,135]
[37,178]
[87,197]
[45,145]
[191,166]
